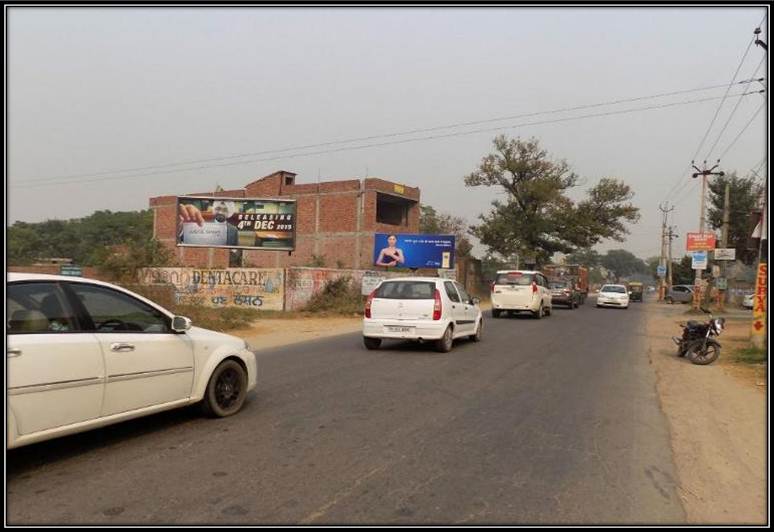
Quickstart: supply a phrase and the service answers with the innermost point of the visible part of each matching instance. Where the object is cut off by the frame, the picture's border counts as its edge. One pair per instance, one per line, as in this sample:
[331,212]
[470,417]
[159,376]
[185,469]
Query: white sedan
[421,308]
[613,295]
[83,354]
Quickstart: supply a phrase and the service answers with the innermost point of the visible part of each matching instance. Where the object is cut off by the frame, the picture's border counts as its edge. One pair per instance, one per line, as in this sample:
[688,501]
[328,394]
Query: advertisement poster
[239,223]
[759,300]
[700,241]
[414,251]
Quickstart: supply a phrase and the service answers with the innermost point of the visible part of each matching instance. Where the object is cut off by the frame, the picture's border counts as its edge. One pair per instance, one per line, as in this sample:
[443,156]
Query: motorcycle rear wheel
[701,355]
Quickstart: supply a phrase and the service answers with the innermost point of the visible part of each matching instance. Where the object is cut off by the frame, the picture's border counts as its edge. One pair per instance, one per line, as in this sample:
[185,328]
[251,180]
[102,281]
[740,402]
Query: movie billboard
[414,251]
[236,223]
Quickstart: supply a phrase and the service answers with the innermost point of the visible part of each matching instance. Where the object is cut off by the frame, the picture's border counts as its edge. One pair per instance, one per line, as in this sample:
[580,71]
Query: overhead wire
[395,142]
[730,116]
[677,184]
[384,135]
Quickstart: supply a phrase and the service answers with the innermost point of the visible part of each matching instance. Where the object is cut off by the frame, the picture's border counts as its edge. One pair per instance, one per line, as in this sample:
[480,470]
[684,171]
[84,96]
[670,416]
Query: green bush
[751,355]
[339,296]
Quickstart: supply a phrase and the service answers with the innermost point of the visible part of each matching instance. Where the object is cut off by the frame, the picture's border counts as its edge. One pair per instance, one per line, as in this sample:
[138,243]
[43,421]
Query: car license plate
[399,329]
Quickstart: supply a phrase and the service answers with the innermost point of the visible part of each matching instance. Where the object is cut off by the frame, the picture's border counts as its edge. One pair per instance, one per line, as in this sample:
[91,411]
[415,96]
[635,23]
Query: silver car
[679,293]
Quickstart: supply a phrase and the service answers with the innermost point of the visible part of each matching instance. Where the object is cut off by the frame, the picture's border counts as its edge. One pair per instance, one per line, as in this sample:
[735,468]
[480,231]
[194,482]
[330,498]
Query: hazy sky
[95,90]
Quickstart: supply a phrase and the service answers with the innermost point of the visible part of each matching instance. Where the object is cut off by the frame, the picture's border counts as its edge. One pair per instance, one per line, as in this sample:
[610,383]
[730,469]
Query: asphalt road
[545,421]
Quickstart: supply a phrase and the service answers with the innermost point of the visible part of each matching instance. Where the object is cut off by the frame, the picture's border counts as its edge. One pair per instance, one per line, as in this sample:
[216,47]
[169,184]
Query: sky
[91,92]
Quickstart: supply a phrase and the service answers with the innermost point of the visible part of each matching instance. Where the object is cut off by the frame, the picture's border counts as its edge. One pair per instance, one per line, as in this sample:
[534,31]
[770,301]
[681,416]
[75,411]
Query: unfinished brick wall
[335,220]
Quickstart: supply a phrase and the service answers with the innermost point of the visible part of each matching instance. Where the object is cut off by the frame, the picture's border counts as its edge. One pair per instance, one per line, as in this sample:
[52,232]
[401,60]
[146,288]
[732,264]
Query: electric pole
[724,243]
[664,213]
[671,235]
[703,173]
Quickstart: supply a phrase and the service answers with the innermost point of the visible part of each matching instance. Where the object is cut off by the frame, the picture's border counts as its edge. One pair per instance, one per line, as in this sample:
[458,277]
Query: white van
[421,308]
[521,291]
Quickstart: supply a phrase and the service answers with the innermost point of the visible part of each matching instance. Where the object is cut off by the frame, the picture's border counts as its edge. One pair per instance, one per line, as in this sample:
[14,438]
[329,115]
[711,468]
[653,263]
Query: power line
[743,130]
[385,135]
[728,121]
[395,142]
[681,177]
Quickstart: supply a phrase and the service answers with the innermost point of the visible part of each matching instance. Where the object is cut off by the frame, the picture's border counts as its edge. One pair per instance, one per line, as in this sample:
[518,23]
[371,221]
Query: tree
[623,263]
[743,198]
[584,257]
[432,222]
[682,273]
[536,217]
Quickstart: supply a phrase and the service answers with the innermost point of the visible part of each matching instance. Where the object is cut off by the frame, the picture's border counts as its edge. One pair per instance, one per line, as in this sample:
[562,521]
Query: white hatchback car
[613,295]
[421,308]
[521,291]
[83,354]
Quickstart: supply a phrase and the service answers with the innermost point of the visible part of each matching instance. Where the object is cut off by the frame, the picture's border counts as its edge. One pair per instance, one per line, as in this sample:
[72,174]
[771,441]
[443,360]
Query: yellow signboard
[759,301]
[400,189]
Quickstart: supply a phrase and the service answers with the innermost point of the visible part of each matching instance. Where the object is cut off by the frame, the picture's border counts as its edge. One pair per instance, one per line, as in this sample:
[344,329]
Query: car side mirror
[180,324]
[475,301]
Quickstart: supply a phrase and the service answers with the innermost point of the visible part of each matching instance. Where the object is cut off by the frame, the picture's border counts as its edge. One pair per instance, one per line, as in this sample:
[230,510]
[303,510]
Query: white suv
[521,291]
[421,308]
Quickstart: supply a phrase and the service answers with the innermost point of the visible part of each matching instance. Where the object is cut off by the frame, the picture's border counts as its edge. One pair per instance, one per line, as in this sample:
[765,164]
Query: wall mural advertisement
[237,223]
[414,251]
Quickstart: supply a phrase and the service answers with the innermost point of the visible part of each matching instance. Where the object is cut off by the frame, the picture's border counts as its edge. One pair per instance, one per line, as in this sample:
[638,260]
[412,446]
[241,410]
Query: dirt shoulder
[717,417]
[276,332]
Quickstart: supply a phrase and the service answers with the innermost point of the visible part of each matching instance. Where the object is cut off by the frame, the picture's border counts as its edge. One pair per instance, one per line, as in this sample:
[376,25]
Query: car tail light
[437,307]
[368,304]
[534,287]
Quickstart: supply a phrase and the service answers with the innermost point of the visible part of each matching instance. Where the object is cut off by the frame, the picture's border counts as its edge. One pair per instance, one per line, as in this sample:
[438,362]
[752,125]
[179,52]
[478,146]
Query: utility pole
[670,235]
[724,243]
[703,173]
[664,214]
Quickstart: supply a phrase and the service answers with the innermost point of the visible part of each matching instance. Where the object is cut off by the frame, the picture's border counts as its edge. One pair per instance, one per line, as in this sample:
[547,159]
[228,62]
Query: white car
[421,308]
[521,291]
[613,295]
[83,354]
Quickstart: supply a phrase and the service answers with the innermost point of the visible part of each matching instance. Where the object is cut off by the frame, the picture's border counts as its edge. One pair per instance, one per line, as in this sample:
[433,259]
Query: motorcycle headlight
[719,324]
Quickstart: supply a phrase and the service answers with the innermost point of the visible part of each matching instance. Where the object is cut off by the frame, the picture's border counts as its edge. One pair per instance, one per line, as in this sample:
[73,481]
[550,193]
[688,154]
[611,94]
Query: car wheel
[479,331]
[444,344]
[372,343]
[226,390]
[670,300]
[548,310]
[495,313]
[539,314]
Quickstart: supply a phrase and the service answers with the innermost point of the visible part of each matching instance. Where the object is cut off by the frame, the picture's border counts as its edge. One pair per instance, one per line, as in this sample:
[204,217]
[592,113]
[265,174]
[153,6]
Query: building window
[392,210]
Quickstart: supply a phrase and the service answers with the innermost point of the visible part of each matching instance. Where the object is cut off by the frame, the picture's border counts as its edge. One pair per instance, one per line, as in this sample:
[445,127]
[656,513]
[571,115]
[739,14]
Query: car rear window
[406,290]
[616,289]
[516,278]
[559,284]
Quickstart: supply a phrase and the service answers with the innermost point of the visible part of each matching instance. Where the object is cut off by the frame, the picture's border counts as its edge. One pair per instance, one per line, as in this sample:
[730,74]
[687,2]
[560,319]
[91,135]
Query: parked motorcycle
[698,341]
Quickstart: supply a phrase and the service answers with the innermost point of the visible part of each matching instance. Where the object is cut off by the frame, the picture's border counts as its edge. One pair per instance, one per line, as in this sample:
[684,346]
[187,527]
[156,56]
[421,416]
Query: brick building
[336,220]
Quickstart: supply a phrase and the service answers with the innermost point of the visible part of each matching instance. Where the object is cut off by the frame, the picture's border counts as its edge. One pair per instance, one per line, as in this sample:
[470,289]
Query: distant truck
[576,273]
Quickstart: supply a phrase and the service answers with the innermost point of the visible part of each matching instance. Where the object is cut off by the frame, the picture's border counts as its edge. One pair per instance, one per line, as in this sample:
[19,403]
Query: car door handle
[121,347]
[13,352]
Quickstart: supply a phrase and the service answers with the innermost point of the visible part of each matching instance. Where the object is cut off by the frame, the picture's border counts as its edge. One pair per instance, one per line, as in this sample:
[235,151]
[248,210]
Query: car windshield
[558,285]
[406,290]
[615,289]
[514,278]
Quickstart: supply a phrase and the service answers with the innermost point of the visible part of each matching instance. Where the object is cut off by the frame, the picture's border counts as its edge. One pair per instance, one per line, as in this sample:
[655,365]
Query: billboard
[700,241]
[240,223]
[414,251]
[725,254]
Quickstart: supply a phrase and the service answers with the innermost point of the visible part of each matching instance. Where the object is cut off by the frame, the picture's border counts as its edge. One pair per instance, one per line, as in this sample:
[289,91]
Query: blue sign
[661,271]
[699,261]
[414,251]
